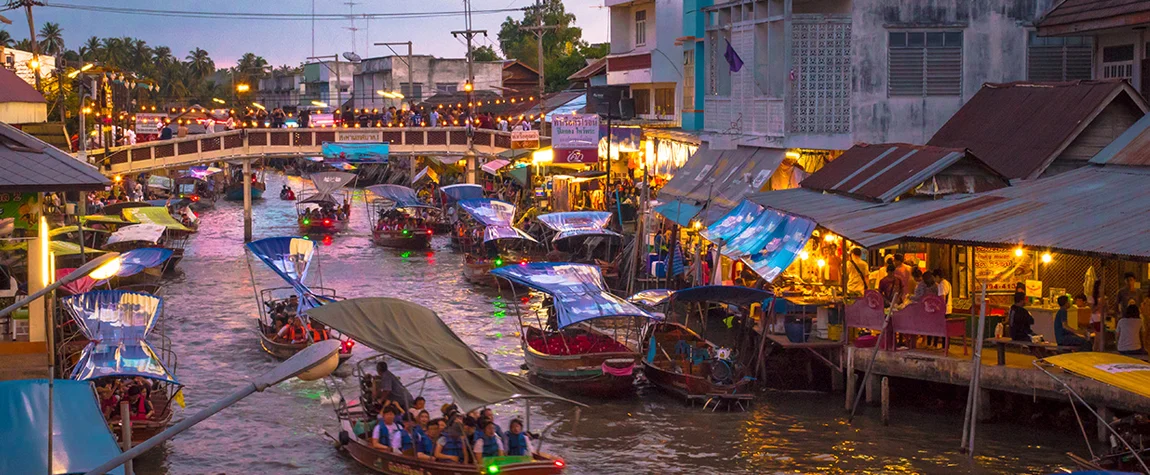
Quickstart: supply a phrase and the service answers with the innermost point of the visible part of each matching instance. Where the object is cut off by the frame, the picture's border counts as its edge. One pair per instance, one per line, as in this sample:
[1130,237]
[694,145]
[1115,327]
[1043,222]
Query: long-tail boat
[494,241]
[403,221]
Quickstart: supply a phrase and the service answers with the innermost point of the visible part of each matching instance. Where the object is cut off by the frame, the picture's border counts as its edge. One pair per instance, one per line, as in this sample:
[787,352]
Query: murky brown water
[210,312]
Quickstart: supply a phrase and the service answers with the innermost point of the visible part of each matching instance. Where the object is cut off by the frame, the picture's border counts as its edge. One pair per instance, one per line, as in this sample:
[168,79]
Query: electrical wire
[268,15]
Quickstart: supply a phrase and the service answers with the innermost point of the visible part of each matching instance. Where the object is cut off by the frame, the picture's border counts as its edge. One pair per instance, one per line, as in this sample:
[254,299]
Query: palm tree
[6,40]
[162,55]
[51,39]
[24,45]
[113,53]
[141,57]
[250,67]
[200,65]
[91,49]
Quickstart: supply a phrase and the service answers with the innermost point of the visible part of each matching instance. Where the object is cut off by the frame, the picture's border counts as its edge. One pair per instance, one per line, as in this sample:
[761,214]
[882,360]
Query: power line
[270,16]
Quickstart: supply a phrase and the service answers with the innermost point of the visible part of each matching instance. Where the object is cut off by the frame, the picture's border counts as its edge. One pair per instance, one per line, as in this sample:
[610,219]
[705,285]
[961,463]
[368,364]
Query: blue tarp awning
[651,297]
[114,315]
[462,191]
[81,440]
[496,216]
[124,358]
[679,212]
[733,223]
[578,290]
[136,260]
[288,256]
[578,223]
[402,196]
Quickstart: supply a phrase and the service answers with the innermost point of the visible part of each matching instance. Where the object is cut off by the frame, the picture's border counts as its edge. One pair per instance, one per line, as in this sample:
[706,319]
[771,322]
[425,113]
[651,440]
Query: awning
[721,175]
[71,229]
[289,257]
[578,290]
[425,172]
[417,336]
[155,215]
[733,223]
[747,178]
[1122,372]
[493,166]
[327,183]
[114,315]
[104,219]
[136,260]
[462,191]
[573,106]
[691,174]
[770,243]
[59,248]
[137,232]
[402,196]
[678,211]
[578,223]
[448,159]
[651,297]
[121,358]
[81,440]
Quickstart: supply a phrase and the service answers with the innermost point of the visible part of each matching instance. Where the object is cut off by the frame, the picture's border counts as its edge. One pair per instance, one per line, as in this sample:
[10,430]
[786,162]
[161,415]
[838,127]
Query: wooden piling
[872,389]
[850,376]
[885,401]
[1104,417]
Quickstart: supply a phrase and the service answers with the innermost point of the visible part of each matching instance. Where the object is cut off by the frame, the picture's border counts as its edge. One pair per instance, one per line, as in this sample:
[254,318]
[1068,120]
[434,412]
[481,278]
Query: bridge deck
[269,143]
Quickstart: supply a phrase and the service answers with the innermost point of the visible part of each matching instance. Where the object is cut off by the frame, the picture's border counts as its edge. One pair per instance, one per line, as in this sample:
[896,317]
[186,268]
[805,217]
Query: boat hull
[414,240]
[236,192]
[318,228]
[396,464]
[693,383]
[284,351]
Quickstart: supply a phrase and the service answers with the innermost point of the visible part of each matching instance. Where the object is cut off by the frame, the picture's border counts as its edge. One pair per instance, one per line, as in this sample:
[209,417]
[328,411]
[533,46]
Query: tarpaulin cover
[1122,372]
[402,196]
[81,440]
[71,229]
[287,256]
[491,233]
[327,183]
[578,290]
[321,198]
[203,171]
[136,260]
[728,294]
[59,248]
[462,191]
[493,166]
[578,223]
[117,209]
[775,242]
[114,315]
[105,219]
[651,297]
[155,215]
[355,152]
[679,212]
[691,174]
[489,212]
[78,286]
[417,336]
[123,358]
[734,223]
[137,232]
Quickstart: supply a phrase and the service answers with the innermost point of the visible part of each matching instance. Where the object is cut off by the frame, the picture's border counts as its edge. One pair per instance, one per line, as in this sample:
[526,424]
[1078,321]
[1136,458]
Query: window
[924,63]
[718,72]
[665,101]
[446,87]
[640,28]
[1118,62]
[689,80]
[642,99]
[1059,59]
[770,74]
[405,89]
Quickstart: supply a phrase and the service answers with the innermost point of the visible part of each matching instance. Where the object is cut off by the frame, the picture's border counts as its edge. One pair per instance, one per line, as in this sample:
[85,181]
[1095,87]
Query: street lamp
[243,88]
[100,268]
[313,362]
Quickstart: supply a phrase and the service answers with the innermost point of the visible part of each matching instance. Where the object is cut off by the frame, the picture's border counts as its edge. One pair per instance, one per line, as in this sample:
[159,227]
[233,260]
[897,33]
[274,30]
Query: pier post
[247,200]
[837,375]
[872,389]
[983,408]
[126,433]
[851,385]
[885,401]
[1104,417]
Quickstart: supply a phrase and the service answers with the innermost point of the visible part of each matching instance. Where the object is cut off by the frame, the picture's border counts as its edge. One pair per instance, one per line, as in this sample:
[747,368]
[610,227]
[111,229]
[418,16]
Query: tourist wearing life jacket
[381,436]
[318,331]
[293,332]
[139,405]
[405,440]
[488,443]
[450,447]
[518,442]
[425,449]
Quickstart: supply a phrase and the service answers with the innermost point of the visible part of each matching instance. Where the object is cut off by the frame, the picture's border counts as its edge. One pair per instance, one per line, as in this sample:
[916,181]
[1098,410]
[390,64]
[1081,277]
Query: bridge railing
[291,142]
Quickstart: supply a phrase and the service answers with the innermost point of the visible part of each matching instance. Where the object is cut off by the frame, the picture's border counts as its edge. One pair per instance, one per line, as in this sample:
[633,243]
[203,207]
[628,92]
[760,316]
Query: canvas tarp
[137,232]
[402,196]
[327,183]
[578,290]
[81,440]
[417,336]
[155,215]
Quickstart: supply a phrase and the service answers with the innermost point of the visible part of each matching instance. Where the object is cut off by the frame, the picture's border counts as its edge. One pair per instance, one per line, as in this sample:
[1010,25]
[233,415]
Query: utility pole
[539,30]
[410,73]
[469,34]
[28,4]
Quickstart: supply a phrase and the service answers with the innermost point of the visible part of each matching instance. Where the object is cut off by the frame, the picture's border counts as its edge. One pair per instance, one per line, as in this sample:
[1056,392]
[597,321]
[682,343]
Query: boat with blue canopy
[489,239]
[705,358]
[582,236]
[325,211]
[81,440]
[283,324]
[120,327]
[582,336]
[403,221]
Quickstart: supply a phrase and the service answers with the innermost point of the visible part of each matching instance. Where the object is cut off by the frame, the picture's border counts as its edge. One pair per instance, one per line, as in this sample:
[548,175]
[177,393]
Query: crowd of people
[404,425]
[288,327]
[137,391]
[395,220]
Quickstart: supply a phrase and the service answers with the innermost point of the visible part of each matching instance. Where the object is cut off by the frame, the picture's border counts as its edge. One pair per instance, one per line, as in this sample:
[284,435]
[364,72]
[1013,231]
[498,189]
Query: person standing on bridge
[433,118]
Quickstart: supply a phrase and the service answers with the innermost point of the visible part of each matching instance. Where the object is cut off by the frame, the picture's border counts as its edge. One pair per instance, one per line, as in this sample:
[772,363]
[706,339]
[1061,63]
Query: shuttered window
[1118,62]
[1059,59]
[924,63]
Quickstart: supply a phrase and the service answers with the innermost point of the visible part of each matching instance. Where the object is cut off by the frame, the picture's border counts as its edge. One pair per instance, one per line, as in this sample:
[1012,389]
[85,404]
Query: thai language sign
[524,139]
[355,152]
[149,123]
[1000,268]
[575,138]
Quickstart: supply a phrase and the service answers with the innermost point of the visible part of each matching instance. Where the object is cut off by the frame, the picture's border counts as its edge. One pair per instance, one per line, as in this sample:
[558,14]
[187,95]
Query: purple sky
[289,42]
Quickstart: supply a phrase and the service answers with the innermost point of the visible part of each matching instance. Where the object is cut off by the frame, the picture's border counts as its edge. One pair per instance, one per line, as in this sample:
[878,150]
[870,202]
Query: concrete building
[645,56]
[279,90]
[18,61]
[693,85]
[1108,39]
[388,74]
[328,82]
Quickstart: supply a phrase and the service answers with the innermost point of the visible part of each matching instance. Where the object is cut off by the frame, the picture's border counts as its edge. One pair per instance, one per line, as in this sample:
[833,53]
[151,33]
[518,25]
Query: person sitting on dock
[1063,334]
[488,443]
[381,436]
[518,442]
[449,446]
[1020,319]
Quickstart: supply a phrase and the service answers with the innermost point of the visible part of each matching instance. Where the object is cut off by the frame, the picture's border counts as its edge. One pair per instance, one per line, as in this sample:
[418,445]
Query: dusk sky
[289,41]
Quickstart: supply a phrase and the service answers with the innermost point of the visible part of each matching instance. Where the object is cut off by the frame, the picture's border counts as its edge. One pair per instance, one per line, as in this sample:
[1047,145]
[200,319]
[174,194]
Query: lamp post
[99,268]
[313,362]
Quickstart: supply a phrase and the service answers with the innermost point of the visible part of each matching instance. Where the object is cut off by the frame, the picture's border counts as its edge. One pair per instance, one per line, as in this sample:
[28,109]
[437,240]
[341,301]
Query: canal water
[210,311]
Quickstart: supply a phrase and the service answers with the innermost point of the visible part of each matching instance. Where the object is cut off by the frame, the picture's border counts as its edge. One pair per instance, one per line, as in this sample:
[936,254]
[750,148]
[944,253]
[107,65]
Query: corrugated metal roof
[1130,148]
[1097,211]
[1019,128]
[14,89]
[27,164]
[691,174]
[882,172]
[594,68]
[1072,16]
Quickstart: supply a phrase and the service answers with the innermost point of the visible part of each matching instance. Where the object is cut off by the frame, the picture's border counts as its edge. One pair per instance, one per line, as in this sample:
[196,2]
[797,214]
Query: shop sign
[575,138]
[149,123]
[524,139]
[17,211]
[1000,268]
[343,136]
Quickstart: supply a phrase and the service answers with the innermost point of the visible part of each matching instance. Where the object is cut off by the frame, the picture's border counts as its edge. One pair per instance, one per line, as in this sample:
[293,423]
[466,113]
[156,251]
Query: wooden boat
[311,227]
[329,215]
[267,332]
[235,191]
[586,341]
[406,238]
[404,221]
[403,330]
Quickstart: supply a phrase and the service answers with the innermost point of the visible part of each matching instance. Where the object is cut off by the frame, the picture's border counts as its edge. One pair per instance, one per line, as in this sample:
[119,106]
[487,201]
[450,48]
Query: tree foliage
[564,50]
[484,53]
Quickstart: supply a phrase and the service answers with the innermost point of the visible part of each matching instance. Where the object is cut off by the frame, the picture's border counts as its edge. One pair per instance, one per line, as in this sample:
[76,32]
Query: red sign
[576,155]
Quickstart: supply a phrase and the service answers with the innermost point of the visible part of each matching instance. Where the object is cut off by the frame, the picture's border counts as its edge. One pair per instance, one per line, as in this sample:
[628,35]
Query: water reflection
[211,313]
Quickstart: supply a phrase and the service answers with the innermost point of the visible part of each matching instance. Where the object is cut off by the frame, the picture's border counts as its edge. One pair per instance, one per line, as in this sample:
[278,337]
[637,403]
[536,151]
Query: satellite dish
[350,56]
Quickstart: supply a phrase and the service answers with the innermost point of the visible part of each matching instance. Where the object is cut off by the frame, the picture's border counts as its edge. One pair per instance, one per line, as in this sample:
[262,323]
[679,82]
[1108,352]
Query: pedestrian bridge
[271,143]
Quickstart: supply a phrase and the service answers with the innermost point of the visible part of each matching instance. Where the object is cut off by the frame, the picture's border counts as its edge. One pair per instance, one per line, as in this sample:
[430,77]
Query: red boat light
[327,240]
[523,262]
[194,198]
[559,463]
[348,345]
[428,232]
[327,222]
